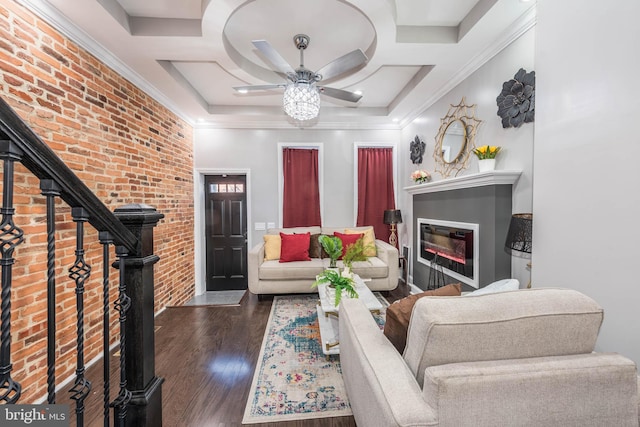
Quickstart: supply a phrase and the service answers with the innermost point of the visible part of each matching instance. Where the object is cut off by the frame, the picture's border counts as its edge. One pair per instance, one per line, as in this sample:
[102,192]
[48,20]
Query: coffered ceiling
[189,54]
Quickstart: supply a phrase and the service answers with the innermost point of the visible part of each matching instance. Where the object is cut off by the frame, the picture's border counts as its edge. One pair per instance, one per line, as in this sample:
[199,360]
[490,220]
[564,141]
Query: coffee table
[328,313]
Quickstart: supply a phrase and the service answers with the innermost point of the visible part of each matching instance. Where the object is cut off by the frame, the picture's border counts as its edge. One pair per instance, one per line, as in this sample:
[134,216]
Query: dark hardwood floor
[207,356]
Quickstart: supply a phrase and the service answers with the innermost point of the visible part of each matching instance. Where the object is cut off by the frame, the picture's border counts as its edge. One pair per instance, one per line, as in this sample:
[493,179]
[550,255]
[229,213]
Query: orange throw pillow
[369,240]
[272,243]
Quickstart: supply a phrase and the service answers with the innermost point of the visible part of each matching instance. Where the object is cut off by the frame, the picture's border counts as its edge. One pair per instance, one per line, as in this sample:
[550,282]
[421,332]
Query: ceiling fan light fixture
[302,100]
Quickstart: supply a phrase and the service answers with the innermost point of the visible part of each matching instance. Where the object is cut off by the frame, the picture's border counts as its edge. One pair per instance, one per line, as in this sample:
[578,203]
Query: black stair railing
[123,230]
[10,237]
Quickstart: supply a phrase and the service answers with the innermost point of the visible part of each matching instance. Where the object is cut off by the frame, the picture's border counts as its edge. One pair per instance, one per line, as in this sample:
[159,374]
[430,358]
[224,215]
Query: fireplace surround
[482,199]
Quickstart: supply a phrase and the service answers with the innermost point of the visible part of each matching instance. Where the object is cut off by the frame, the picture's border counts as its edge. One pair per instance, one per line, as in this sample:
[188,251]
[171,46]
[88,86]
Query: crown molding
[68,29]
[523,24]
[285,124]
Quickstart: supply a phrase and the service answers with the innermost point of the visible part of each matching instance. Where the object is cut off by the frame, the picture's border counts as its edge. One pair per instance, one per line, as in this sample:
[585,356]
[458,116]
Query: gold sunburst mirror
[454,141]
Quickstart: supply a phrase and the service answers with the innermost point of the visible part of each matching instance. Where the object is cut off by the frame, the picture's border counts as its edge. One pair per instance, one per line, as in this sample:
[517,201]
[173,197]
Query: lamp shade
[519,234]
[392,216]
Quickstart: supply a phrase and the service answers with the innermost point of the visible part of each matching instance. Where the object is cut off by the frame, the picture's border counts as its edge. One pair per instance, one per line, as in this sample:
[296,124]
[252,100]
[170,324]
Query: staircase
[128,233]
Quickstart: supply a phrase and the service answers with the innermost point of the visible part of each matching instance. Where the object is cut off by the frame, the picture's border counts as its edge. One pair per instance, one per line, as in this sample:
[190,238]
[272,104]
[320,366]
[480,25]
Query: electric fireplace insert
[451,245]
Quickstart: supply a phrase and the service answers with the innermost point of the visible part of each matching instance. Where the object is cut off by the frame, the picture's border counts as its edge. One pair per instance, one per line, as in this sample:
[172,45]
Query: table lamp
[393,217]
[519,235]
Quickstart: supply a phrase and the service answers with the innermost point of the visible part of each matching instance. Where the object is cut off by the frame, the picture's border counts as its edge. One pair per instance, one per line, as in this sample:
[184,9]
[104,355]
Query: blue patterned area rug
[294,380]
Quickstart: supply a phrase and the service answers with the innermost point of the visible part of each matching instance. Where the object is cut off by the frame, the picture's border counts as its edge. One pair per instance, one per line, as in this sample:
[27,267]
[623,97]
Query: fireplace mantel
[496,177]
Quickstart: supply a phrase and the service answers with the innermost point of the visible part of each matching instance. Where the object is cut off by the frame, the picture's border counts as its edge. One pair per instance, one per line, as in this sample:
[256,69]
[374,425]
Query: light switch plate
[271,225]
[259,226]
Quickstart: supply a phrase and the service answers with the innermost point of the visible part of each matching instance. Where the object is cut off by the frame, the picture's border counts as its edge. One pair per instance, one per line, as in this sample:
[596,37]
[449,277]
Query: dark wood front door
[226,228]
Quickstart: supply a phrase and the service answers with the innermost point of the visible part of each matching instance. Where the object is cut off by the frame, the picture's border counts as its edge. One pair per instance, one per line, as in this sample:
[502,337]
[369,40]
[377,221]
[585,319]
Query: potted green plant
[337,282]
[355,252]
[333,247]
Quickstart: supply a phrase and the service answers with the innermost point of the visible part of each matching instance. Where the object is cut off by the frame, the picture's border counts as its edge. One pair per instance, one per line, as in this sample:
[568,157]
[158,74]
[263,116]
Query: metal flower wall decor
[417,148]
[516,102]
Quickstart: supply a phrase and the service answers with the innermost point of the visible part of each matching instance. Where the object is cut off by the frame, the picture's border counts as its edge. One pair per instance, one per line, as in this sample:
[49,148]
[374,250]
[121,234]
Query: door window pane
[226,188]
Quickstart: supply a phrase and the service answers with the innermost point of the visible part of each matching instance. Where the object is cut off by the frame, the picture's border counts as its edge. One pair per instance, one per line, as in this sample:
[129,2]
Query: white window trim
[358,145]
[304,145]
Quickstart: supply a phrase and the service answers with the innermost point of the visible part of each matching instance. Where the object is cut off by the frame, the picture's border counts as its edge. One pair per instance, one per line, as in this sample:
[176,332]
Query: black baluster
[80,272]
[51,190]
[122,306]
[10,237]
[106,240]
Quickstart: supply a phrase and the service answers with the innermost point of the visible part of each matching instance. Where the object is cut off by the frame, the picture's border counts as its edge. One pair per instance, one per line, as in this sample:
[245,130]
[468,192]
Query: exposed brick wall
[126,147]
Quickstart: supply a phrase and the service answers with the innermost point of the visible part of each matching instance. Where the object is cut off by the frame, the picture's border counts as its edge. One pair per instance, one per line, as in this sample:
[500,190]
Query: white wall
[256,151]
[481,88]
[586,204]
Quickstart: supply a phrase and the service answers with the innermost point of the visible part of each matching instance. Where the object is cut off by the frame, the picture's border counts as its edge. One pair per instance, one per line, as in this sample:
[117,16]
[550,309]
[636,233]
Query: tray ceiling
[189,54]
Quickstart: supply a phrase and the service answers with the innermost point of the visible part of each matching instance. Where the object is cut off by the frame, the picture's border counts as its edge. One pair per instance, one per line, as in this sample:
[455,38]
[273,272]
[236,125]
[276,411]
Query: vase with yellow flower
[486,157]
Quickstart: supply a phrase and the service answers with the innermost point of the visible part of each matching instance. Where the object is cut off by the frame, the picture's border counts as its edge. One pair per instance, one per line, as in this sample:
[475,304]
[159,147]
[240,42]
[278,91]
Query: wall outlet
[271,225]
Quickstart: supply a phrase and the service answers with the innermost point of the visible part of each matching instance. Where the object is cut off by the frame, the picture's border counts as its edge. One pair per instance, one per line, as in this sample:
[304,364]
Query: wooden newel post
[145,408]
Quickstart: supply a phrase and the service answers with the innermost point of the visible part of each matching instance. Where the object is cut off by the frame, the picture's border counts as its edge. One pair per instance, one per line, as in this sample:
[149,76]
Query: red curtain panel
[301,192]
[375,188]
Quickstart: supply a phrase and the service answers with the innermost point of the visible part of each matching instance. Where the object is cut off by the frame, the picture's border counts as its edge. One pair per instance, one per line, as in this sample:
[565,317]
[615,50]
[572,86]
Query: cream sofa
[517,358]
[274,277]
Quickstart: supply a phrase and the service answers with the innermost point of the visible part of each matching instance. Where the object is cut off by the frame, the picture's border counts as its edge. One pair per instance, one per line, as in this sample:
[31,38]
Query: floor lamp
[393,217]
[519,235]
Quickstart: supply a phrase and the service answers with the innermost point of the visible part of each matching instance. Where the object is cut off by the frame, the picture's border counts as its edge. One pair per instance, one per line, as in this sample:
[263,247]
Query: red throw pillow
[295,247]
[347,239]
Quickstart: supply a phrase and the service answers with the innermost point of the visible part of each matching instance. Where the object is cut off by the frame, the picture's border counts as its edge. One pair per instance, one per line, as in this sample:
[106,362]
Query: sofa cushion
[347,239]
[331,230]
[505,325]
[295,270]
[374,268]
[369,238]
[294,247]
[272,245]
[315,248]
[399,313]
[295,230]
[593,389]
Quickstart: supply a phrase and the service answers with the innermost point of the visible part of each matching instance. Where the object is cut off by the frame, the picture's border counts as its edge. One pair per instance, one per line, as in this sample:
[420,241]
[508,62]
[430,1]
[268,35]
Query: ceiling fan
[301,100]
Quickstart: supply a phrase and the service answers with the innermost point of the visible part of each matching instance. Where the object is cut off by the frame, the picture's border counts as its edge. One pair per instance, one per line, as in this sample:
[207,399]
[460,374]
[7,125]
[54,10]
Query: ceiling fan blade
[257,87]
[339,94]
[343,64]
[273,56]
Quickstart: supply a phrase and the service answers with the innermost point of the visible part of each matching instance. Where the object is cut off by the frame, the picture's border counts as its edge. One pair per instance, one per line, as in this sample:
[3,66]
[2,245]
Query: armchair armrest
[255,258]
[381,388]
[577,390]
[389,255]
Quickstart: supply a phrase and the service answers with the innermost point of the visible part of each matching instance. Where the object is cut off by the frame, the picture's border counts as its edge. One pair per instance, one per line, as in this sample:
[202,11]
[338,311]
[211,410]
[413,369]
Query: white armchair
[519,358]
